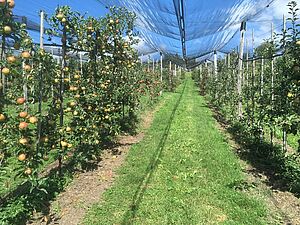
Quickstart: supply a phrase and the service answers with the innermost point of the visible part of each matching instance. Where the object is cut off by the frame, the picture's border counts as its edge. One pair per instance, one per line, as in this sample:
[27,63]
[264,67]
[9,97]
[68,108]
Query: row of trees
[270,91]
[67,108]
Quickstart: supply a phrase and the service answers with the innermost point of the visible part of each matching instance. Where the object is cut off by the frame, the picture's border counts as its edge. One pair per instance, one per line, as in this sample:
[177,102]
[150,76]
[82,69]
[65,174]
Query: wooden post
[216,65]
[153,66]
[262,77]
[261,94]
[229,72]
[40,98]
[148,63]
[272,85]
[247,80]
[228,61]
[240,71]
[42,30]
[161,72]
[206,68]
[247,63]
[52,87]
[215,71]
[272,65]
[253,83]
[284,133]
[200,71]
[175,70]
[170,76]
[180,72]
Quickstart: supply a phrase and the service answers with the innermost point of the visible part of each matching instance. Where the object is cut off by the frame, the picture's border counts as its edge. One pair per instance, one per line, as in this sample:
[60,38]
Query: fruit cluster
[68,107]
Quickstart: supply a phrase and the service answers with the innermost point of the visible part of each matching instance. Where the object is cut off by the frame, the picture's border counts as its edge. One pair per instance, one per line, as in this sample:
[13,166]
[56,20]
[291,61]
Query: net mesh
[188,28]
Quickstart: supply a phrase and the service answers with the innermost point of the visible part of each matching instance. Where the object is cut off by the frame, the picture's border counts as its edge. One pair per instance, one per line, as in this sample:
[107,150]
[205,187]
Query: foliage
[64,109]
[270,94]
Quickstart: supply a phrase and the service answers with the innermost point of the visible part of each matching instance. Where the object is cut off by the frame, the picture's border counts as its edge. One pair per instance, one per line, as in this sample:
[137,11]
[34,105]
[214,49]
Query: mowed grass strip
[183,172]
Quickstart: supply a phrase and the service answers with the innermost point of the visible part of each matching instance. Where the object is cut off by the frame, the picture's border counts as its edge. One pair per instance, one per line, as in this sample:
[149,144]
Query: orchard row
[70,107]
[268,105]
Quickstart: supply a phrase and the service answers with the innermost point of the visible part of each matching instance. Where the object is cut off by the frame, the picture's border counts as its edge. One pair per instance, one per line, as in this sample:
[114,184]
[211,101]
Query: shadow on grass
[137,198]
[282,172]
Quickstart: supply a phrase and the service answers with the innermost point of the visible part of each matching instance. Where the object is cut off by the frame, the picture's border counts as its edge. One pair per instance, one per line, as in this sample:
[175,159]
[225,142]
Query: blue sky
[31,8]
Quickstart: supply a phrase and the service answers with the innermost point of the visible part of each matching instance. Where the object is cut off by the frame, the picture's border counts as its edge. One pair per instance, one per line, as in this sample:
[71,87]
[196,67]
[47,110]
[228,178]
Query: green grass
[183,172]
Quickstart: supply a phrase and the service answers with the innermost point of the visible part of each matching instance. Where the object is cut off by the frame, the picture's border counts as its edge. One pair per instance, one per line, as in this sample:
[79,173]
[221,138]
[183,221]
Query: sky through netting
[188,28]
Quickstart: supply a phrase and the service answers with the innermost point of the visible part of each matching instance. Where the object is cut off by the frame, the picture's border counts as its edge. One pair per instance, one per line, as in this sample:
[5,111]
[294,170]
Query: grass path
[183,172]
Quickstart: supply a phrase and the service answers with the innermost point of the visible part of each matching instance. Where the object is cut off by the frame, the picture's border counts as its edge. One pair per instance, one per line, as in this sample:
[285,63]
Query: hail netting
[208,25]
[203,26]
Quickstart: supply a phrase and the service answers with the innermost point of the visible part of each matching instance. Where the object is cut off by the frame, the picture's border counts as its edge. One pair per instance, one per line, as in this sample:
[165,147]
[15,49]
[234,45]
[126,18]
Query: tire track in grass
[131,213]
